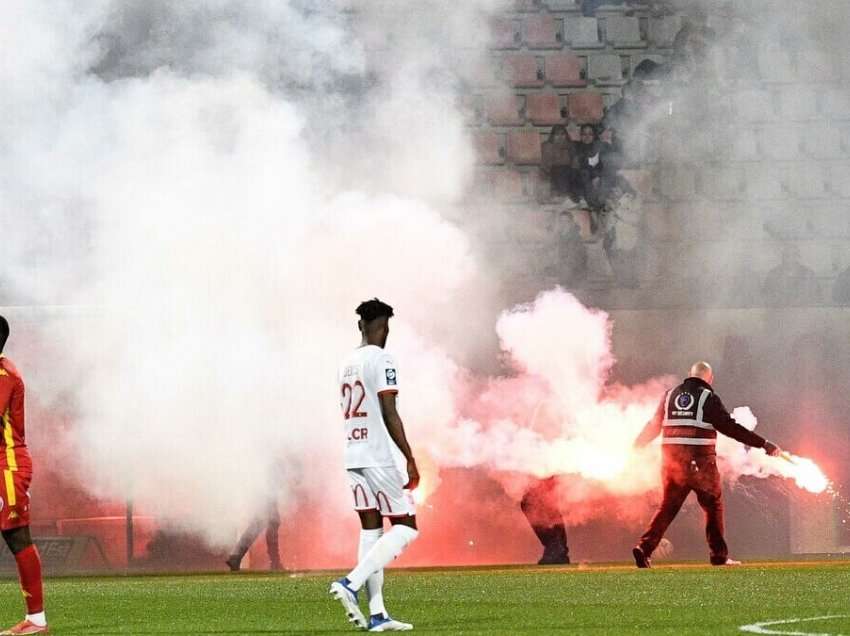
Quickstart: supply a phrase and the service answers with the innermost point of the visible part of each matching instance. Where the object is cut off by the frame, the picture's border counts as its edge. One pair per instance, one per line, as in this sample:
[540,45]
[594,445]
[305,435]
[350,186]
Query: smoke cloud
[213,187]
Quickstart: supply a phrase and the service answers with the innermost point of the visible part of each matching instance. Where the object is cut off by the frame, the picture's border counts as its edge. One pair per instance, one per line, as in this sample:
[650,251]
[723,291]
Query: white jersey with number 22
[366,373]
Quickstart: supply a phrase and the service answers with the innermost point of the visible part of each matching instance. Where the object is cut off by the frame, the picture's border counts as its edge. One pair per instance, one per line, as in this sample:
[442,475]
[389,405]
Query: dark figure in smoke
[16,466]
[268,519]
[688,419]
[791,282]
[627,123]
[540,507]
[558,164]
[590,165]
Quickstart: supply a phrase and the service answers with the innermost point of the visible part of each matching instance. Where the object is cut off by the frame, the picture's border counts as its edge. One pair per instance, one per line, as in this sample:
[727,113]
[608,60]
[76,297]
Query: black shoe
[233,562]
[641,560]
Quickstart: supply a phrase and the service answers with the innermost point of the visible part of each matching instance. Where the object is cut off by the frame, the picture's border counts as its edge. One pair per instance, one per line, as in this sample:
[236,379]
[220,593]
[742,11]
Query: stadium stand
[770,164]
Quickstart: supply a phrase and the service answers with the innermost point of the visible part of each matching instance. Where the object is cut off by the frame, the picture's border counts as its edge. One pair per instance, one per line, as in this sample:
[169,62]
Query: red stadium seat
[564,70]
[543,109]
[523,71]
[505,34]
[489,147]
[524,146]
[484,75]
[543,32]
[585,107]
[503,110]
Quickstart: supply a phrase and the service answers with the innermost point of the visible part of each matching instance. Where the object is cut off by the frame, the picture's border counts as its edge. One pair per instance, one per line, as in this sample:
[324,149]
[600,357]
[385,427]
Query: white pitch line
[760,628]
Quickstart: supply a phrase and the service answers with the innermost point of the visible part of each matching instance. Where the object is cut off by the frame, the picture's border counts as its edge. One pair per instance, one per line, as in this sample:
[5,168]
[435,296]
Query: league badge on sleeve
[391,377]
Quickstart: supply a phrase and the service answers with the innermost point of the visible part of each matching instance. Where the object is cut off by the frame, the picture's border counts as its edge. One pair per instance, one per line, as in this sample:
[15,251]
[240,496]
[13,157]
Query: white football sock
[39,619]
[387,548]
[375,582]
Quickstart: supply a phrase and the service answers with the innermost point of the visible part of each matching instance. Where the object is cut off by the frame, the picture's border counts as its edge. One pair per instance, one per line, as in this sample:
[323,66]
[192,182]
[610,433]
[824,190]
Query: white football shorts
[382,489]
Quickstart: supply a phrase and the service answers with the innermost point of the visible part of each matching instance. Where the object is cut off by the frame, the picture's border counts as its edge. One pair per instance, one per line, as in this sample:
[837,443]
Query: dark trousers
[683,472]
[540,507]
[271,522]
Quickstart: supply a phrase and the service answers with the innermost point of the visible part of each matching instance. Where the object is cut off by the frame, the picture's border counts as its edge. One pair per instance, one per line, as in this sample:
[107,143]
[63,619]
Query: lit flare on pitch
[806,473]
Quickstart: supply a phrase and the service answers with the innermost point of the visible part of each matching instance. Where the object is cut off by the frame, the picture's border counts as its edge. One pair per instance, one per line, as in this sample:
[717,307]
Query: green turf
[511,600]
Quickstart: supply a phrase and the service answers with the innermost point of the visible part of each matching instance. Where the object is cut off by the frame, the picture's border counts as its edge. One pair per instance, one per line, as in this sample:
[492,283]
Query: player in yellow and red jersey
[16,468]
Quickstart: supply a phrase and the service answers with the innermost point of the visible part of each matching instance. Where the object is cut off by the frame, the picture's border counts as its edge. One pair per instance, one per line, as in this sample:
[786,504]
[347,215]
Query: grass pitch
[671,599]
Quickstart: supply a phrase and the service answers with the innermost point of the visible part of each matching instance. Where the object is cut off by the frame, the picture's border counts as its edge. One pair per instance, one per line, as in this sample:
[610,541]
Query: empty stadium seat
[624,33]
[585,107]
[605,69]
[505,34]
[582,33]
[662,31]
[489,147]
[523,146]
[564,69]
[503,110]
[523,70]
[543,32]
[543,109]
[484,74]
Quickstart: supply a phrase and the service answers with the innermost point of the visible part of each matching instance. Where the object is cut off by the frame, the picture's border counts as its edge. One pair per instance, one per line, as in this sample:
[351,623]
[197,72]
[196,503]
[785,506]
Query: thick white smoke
[192,174]
[170,147]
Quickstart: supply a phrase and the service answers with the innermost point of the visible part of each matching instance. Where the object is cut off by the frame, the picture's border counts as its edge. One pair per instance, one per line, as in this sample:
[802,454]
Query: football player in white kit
[381,468]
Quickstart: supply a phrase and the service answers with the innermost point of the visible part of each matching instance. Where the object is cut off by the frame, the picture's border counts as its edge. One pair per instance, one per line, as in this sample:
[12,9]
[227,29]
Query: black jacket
[691,415]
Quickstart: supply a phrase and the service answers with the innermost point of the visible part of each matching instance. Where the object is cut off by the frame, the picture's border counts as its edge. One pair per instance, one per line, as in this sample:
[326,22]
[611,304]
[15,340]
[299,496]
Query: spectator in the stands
[690,49]
[589,168]
[841,288]
[790,283]
[558,163]
[626,124]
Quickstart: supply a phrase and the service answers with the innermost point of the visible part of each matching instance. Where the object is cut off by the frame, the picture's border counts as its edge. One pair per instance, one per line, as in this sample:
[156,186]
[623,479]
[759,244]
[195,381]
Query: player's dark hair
[4,332]
[368,310]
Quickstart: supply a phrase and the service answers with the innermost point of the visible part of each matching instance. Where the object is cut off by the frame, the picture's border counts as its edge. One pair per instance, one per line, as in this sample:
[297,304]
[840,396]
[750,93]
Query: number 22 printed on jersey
[353,395]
